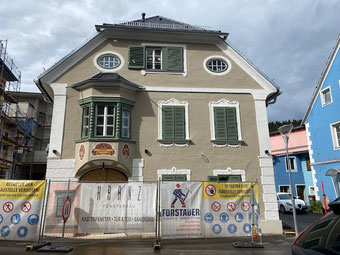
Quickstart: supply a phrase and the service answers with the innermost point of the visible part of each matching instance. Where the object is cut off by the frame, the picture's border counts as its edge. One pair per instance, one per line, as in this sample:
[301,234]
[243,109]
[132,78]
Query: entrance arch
[103,170]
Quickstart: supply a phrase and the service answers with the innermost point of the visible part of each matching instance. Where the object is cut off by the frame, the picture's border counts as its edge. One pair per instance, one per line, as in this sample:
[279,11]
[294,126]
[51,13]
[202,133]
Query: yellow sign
[22,189]
[228,190]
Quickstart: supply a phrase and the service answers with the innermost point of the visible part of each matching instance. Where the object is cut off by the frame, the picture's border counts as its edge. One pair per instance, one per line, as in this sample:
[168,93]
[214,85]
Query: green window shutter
[136,57]
[181,177]
[168,177]
[179,122]
[168,129]
[231,123]
[213,178]
[220,123]
[235,178]
[173,59]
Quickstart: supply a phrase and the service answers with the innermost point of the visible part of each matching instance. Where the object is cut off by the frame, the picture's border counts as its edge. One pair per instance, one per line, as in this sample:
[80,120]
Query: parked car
[323,235]
[285,203]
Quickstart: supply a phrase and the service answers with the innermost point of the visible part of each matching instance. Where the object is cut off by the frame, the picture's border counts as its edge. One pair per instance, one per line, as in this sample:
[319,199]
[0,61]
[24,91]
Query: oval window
[108,61]
[217,65]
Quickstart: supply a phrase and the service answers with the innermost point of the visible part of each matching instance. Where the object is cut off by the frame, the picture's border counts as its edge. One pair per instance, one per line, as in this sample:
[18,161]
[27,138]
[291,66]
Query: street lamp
[285,132]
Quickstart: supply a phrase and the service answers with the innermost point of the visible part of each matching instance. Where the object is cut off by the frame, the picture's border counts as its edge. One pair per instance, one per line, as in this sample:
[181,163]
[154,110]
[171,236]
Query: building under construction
[24,125]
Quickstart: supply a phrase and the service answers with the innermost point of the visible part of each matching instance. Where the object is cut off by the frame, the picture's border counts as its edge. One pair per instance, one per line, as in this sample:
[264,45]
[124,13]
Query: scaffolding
[16,128]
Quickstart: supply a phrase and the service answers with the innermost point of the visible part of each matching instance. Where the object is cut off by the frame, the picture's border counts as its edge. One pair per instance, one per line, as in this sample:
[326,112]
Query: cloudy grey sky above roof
[289,40]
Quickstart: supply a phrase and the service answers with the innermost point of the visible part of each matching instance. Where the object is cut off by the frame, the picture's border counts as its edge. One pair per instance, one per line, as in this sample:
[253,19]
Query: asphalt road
[303,220]
[276,244]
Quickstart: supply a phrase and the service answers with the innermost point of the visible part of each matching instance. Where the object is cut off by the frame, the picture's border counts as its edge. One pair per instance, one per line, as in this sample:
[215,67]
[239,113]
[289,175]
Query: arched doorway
[103,170]
[104,175]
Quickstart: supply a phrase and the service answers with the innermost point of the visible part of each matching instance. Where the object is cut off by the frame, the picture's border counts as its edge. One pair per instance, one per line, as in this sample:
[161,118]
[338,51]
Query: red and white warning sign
[8,207]
[245,206]
[26,207]
[231,206]
[210,190]
[216,206]
[66,209]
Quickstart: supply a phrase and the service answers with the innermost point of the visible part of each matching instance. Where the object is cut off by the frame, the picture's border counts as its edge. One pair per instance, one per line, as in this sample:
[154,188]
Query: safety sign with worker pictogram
[21,203]
[204,209]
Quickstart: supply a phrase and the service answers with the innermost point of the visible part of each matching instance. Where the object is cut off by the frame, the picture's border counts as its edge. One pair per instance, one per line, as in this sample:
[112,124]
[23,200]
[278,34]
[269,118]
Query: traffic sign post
[66,211]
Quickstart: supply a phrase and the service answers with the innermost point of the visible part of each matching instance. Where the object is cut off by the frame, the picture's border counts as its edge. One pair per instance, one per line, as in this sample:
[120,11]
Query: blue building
[322,121]
[302,182]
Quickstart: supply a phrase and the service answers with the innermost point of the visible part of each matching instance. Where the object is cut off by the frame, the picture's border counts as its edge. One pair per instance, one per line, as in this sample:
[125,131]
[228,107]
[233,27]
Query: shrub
[316,206]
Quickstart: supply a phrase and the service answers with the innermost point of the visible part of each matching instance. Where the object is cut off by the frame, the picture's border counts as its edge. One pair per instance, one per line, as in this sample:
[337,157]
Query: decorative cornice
[172,101]
[223,102]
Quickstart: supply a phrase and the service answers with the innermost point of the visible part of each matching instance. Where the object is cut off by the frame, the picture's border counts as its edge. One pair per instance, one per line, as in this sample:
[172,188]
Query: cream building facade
[157,98]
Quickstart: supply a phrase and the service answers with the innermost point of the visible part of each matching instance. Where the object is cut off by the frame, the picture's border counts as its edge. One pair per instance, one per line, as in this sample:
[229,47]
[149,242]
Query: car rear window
[311,243]
[320,225]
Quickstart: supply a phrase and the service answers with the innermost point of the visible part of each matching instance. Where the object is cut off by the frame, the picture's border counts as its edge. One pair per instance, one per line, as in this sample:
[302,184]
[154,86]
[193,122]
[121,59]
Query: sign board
[20,209]
[66,211]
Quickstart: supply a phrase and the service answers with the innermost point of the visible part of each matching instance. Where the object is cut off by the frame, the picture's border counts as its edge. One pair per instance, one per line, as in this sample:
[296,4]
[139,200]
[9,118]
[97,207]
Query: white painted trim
[173,102]
[184,46]
[258,94]
[295,166]
[58,120]
[216,73]
[224,103]
[309,142]
[323,103]
[284,186]
[249,69]
[112,70]
[336,146]
[230,171]
[174,171]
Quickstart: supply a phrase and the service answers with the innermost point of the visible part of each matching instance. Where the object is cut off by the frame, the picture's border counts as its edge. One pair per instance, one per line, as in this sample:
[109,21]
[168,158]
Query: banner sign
[20,209]
[206,209]
[117,207]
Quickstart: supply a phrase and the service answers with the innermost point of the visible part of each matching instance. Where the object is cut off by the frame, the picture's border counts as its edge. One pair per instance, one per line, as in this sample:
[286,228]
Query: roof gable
[322,79]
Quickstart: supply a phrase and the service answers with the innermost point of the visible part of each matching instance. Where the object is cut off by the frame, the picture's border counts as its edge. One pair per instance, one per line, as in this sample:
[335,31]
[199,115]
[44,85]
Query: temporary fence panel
[20,211]
[117,207]
[206,209]
[100,209]
[56,196]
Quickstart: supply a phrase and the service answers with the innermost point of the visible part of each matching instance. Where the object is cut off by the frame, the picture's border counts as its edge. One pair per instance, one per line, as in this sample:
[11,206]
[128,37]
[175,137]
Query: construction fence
[35,210]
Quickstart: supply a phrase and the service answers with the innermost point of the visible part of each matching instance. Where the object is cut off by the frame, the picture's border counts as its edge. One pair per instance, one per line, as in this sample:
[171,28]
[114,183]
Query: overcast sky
[289,40]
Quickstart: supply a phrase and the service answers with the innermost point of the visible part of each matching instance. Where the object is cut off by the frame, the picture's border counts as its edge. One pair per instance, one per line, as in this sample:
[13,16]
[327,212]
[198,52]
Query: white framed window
[311,190]
[225,123]
[125,124]
[108,61]
[284,188]
[292,162]
[179,174]
[173,121]
[326,96]
[229,171]
[85,122]
[105,120]
[217,65]
[153,58]
[335,131]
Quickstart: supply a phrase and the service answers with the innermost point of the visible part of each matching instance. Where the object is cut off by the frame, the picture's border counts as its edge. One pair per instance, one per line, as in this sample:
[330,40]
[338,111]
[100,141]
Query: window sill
[174,142]
[227,143]
[325,104]
[104,139]
[144,72]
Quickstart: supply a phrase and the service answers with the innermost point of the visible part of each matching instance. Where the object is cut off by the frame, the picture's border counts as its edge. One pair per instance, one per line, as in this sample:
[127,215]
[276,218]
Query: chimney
[143,17]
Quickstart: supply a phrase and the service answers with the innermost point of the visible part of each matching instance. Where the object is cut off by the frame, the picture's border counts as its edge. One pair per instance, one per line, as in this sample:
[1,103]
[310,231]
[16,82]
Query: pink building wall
[297,142]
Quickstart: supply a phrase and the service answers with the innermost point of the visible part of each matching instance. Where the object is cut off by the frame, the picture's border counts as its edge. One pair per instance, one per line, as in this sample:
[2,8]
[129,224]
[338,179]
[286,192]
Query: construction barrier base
[55,249]
[247,245]
[33,247]
[157,245]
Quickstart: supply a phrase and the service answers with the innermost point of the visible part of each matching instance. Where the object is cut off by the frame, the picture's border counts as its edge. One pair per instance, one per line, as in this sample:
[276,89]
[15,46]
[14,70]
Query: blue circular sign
[22,231]
[256,216]
[238,217]
[33,219]
[1,219]
[208,217]
[232,228]
[5,231]
[224,217]
[15,219]
[247,228]
[217,229]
